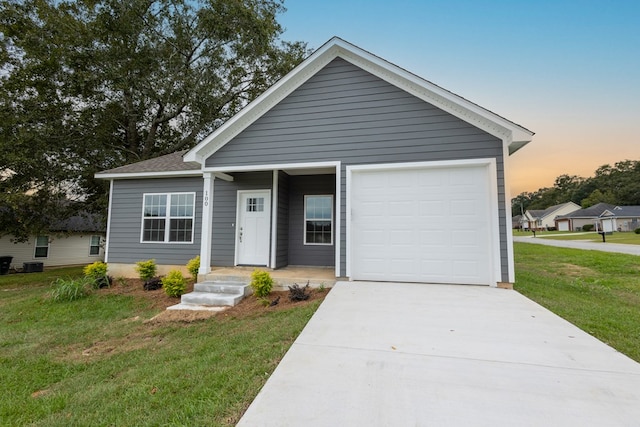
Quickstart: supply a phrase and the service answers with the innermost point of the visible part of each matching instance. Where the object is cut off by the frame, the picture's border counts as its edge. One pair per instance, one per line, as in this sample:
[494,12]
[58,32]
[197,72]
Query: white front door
[254,223]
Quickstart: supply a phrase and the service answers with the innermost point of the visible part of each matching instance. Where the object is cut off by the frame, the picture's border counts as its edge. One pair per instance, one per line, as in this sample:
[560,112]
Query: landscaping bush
[174,283]
[71,289]
[146,269]
[97,273]
[637,230]
[193,266]
[261,283]
[296,293]
[152,284]
[587,227]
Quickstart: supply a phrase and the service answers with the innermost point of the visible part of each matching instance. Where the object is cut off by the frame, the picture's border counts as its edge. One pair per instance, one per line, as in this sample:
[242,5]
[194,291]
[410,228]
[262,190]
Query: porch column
[207,218]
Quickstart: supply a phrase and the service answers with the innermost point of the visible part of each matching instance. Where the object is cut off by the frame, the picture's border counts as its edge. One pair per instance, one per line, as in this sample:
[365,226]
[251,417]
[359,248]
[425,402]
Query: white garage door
[428,225]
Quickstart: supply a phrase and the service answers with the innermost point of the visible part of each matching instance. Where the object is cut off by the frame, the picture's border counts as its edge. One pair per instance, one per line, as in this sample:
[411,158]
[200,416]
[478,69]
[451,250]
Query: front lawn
[100,361]
[597,291]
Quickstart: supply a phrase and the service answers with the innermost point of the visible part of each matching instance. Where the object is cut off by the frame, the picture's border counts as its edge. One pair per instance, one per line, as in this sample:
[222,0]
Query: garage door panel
[422,225]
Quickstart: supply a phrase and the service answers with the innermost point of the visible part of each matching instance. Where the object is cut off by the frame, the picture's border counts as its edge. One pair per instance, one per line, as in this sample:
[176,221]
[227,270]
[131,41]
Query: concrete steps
[213,295]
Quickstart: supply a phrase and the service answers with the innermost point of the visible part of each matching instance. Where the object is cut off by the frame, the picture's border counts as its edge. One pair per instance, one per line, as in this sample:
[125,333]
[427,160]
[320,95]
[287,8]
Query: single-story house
[537,219]
[349,162]
[603,216]
[77,240]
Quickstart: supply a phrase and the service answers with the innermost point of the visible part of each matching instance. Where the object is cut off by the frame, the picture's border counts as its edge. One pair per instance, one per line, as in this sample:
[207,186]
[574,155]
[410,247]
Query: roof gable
[514,135]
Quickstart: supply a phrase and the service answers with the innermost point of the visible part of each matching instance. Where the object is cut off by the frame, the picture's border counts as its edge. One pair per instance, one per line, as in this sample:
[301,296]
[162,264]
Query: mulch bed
[249,306]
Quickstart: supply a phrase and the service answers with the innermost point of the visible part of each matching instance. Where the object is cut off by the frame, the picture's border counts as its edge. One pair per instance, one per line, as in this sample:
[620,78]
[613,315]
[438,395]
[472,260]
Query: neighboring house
[537,219]
[518,222]
[77,240]
[577,219]
[603,216]
[621,218]
[349,162]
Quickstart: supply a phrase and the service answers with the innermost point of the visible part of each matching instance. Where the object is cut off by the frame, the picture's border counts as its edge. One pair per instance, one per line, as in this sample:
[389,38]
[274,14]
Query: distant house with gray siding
[348,162]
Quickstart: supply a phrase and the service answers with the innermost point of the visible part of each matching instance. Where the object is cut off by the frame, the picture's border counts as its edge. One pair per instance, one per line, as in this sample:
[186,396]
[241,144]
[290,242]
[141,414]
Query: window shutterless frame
[318,219]
[168,218]
[94,245]
[41,247]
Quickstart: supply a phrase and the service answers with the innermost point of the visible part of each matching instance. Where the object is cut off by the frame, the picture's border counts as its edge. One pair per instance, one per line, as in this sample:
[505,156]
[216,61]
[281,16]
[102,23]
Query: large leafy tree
[618,185]
[88,85]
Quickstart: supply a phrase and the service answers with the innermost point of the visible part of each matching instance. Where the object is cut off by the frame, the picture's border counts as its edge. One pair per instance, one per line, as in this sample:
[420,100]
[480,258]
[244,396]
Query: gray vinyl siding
[225,200]
[126,222]
[299,253]
[282,242]
[344,113]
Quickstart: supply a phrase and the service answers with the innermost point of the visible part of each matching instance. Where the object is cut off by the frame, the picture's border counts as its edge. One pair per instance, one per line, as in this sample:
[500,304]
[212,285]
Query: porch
[283,277]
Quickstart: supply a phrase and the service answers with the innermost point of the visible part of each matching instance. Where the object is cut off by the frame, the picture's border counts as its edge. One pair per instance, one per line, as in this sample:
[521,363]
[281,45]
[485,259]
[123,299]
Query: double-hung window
[168,217]
[94,245]
[318,220]
[42,247]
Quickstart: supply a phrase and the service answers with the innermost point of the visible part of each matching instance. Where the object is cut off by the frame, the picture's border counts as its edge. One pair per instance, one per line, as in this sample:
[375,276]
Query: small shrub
[71,289]
[174,283]
[152,284]
[97,273]
[296,293]
[587,227]
[261,283]
[322,288]
[637,230]
[146,269]
[193,266]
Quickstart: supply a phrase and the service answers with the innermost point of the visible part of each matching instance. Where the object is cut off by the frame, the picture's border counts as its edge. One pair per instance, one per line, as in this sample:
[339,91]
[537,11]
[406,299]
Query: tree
[598,197]
[88,85]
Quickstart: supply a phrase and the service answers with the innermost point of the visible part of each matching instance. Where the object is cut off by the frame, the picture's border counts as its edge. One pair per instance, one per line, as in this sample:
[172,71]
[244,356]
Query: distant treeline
[618,184]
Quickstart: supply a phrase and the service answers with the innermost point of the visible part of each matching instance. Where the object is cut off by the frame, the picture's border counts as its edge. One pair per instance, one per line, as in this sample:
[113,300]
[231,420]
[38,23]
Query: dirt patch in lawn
[574,270]
[249,306]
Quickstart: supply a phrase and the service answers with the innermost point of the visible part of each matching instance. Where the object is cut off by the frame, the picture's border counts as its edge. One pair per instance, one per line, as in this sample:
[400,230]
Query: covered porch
[275,217]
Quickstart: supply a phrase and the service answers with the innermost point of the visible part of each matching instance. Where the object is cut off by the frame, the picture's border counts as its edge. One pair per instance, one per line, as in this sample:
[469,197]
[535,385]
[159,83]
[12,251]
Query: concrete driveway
[391,354]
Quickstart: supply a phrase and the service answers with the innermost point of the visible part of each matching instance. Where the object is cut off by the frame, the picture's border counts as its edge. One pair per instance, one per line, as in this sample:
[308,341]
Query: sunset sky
[567,70]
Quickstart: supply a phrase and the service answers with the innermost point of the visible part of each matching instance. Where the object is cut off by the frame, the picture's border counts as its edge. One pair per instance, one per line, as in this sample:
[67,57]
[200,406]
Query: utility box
[32,267]
[5,264]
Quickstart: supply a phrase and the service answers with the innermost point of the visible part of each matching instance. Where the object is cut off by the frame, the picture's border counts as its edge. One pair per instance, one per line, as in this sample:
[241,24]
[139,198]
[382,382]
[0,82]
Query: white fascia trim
[466,110]
[263,103]
[106,246]
[336,47]
[134,175]
[279,166]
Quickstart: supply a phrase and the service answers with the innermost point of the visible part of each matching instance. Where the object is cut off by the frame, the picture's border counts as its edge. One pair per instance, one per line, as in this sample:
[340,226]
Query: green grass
[519,233]
[597,291]
[95,361]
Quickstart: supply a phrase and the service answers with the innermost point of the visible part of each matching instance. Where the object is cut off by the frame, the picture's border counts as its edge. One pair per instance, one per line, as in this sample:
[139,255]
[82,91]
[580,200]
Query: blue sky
[567,70]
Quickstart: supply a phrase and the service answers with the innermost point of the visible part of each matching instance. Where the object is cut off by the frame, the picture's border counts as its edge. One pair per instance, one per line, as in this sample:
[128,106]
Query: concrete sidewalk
[576,244]
[391,354]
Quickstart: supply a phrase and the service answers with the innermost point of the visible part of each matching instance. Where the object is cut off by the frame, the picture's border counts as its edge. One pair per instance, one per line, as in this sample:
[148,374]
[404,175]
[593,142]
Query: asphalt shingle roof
[590,212]
[168,163]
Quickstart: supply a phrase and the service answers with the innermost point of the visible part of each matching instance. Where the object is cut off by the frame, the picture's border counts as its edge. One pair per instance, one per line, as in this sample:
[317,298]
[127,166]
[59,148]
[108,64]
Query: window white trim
[168,217]
[305,219]
[91,245]
[36,247]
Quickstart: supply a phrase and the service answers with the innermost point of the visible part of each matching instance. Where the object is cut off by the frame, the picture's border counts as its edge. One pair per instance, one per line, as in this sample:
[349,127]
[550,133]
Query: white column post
[207,218]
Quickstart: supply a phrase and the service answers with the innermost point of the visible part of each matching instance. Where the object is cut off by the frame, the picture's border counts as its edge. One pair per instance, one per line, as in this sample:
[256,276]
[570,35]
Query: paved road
[576,244]
[401,354]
